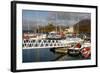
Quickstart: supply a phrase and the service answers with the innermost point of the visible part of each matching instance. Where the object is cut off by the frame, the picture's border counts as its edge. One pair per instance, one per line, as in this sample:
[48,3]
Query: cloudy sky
[31,18]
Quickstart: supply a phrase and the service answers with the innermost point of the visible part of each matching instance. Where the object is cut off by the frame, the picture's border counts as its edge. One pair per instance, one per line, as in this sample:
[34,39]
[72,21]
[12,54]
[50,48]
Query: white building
[70,29]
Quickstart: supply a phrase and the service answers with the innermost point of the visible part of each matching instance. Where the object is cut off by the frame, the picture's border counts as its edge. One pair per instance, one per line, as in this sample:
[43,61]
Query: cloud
[32,18]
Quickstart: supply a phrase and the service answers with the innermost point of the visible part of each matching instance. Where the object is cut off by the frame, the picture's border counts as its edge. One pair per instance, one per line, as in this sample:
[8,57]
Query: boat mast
[56,22]
[27,26]
[78,25]
[37,22]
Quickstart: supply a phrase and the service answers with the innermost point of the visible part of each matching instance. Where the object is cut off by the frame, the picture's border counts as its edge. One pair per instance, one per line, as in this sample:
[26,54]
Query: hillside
[84,26]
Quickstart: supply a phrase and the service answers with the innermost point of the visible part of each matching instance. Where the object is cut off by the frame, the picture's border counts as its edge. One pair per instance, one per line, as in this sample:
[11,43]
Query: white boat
[55,35]
[34,36]
[70,40]
[86,44]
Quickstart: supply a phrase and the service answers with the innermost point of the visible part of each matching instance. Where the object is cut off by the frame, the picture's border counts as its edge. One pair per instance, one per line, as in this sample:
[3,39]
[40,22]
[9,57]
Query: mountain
[83,26]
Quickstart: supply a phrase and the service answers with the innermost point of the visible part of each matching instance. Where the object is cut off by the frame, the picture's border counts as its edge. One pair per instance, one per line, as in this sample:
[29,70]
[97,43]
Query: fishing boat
[86,50]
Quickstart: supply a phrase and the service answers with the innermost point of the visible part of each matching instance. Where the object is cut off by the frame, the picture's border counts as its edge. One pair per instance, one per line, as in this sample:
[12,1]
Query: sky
[31,18]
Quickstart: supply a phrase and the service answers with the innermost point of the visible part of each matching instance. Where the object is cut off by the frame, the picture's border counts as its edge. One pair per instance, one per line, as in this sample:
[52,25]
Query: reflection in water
[37,55]
[42,55]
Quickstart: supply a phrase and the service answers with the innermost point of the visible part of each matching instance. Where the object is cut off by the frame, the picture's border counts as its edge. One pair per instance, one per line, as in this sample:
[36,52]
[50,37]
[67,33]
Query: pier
[44,43]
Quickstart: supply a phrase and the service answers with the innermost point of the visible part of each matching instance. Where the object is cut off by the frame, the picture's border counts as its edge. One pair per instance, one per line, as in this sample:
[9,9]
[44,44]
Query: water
[44,55]
[37,55]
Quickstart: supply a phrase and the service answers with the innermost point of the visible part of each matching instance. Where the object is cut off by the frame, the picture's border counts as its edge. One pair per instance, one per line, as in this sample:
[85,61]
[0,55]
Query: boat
[83,49]
[86,50]
[71,41]
[75,50]
[55,35]
[33,36]
[61,50]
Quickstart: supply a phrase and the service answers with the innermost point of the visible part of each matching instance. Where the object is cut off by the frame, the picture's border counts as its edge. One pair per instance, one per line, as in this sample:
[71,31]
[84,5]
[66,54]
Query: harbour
[55,36]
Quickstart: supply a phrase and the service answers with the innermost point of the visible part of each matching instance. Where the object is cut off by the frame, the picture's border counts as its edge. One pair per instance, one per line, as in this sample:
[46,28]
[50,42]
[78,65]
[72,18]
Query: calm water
[42,55]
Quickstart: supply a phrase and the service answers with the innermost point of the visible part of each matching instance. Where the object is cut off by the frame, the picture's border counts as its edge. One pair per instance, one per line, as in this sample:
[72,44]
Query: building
[69,29]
